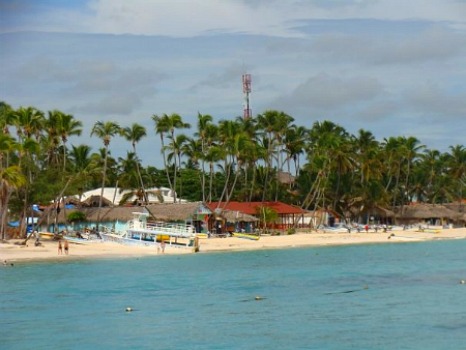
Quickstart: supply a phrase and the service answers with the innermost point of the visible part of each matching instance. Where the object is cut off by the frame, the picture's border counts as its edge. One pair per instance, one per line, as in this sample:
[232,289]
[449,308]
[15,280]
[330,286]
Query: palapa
[160,212]
[426,211]
[237,216]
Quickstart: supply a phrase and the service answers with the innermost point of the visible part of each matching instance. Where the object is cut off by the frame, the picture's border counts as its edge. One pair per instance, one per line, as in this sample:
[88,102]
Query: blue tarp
[29,221]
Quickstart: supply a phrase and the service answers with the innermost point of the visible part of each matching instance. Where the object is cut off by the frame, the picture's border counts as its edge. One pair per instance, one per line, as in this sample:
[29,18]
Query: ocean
[379,296]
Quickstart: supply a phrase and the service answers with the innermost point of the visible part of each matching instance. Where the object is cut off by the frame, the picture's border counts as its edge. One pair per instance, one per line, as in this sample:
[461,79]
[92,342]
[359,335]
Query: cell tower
[246,90]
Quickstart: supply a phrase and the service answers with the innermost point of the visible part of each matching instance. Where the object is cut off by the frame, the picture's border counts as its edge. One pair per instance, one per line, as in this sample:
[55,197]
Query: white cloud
[387,66]
[183,18]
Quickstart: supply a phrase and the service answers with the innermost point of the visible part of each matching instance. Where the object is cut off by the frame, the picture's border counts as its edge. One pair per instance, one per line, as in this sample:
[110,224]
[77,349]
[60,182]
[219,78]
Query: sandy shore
[12,252]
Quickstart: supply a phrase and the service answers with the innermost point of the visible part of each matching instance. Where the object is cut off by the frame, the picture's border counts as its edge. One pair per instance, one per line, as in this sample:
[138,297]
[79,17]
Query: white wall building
[114,195]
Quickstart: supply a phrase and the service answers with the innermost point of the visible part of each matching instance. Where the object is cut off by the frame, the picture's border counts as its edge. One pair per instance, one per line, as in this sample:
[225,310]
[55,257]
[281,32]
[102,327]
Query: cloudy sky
[393,67]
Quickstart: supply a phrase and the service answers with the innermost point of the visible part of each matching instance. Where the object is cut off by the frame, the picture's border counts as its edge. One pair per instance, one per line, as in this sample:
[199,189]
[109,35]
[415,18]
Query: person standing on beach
[66,247]
[60,248]
[162,245]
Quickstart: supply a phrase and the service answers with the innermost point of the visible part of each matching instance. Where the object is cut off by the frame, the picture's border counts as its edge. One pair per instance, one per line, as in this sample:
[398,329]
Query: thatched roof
[237,216]
[426,211]
[93,201]
[162,212]
[383,212]
[285,177]
[375,211]
[174,211]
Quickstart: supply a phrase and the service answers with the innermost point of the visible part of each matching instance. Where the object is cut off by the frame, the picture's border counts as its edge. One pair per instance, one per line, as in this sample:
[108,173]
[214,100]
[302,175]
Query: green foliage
[76,216]
[234,159]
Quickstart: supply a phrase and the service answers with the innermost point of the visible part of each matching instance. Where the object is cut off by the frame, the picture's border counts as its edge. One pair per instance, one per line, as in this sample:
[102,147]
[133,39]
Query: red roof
[251,207]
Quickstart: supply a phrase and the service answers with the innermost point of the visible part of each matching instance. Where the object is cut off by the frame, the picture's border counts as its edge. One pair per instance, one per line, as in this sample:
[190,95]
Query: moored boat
[141,233]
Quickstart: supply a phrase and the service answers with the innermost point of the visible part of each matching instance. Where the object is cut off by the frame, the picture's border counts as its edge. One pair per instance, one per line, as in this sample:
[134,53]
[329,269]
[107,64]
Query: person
[162,245]
[6,263]
[66,247]
[60,248]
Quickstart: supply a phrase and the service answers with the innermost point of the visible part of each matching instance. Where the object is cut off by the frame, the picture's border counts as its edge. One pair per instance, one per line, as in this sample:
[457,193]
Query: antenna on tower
[246,91]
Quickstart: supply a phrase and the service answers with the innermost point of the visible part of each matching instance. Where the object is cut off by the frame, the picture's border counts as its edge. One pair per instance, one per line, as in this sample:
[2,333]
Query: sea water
[390,296]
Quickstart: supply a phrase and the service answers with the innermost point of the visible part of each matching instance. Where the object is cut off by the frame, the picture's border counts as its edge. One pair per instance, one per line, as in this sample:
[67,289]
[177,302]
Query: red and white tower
[246,91]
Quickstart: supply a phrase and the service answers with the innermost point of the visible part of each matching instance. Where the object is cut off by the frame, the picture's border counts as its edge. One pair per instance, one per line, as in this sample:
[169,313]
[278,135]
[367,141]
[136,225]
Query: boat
[50,235]
[252,236]
[139,232]
[78,240]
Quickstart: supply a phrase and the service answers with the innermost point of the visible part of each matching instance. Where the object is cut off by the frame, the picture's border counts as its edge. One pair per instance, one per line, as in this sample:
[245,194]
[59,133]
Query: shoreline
[48,250]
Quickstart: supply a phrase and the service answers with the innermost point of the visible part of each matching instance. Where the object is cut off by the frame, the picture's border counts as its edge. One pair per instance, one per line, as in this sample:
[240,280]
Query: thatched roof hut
[382,212]
[159,212]
[422,211]
[93,201]
[237,216]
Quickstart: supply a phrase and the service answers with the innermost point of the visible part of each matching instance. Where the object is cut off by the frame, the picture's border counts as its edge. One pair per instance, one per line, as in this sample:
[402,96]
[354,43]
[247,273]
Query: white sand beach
[11,251]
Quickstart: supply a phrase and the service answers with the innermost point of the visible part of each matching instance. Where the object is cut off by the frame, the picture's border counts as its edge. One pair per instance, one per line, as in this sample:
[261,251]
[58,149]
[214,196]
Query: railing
[172,229]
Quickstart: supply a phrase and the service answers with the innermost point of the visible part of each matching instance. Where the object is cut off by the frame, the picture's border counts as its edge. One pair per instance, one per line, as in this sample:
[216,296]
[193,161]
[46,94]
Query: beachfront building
[114,195]
[288,216]
[426,214]
[116,217]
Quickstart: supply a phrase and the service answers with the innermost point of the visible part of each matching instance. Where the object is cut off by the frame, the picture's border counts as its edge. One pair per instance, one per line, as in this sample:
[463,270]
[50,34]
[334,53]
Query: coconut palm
[273,124]
[84,167]
[204,123]
[7,117]
[176,146]
[294,142]
[410,151]
[68,127]
[456,162]
[11,178]
[166,125]
[134,134]
[105,131]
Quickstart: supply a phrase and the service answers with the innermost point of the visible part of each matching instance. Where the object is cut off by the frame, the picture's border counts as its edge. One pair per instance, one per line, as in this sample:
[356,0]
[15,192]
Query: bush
[76,216]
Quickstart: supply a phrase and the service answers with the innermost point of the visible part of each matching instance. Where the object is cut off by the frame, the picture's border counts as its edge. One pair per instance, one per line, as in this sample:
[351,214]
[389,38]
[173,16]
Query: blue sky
[395,68]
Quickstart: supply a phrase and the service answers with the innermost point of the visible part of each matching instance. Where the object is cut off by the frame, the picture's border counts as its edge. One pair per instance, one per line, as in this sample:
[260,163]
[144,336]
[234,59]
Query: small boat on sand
[251,236]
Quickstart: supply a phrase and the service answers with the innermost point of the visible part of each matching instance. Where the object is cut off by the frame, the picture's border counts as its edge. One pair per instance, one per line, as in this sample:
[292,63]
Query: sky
[391,67]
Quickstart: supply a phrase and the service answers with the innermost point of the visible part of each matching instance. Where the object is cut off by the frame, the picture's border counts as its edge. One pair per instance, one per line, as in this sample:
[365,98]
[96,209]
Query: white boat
[141,233]
[77,240]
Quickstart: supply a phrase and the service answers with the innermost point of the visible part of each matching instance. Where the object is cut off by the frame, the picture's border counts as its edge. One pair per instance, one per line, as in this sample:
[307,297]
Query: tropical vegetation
[264,158]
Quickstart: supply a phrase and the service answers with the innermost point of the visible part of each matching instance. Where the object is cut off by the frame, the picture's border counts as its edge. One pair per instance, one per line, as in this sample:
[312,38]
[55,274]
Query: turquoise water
[391,296]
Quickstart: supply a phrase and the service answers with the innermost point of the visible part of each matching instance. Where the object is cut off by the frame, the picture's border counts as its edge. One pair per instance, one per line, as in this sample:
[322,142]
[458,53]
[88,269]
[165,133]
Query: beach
[12,251]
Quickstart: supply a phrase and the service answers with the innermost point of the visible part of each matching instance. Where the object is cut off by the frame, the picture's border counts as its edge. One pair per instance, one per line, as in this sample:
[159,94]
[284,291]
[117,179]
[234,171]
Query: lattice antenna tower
[247,113]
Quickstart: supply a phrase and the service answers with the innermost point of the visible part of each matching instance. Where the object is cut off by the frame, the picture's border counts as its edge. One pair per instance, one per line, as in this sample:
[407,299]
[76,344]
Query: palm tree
[176,147]
[162,128]
[166,125]
[294,144]
[30,124]
[6,117]
[393,160]
[7,145]
[84,167]
[410,151]
[51,140]
[68,127]
[134,134]
[203,124]
[456,162]
[11,178]
[274,124]
[105,131]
